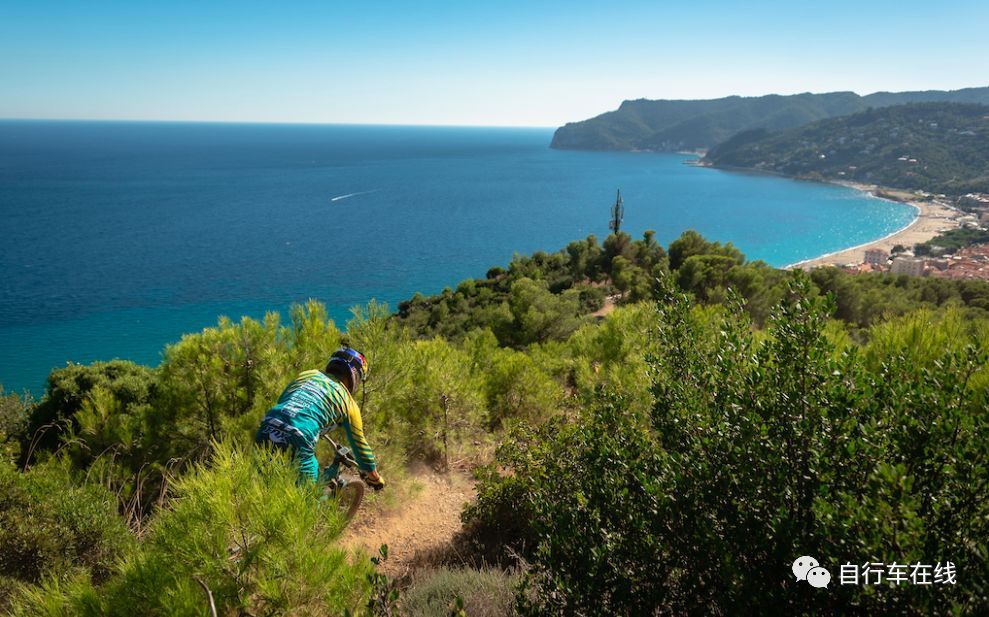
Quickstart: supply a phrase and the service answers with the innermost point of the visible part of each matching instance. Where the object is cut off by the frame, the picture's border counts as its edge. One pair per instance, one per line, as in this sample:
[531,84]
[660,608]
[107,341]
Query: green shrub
[106,421]
[536,315]
[52,526]
[500,526]
[68,388]
[244,528]
[576,509]
[223,376]
[515,385]
[690,244]
[439,404]
[14,413]
[311,338]
[611,355]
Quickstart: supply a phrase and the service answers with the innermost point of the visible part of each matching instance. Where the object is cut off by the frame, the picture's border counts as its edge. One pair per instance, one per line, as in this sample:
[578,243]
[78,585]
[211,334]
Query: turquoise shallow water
[119,237]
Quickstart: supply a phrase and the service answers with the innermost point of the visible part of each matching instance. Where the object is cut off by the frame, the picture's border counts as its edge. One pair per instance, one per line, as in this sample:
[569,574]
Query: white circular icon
[818,577]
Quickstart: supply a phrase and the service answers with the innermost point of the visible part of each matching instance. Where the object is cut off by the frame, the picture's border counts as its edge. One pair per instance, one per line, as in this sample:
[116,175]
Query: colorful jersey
[314,404]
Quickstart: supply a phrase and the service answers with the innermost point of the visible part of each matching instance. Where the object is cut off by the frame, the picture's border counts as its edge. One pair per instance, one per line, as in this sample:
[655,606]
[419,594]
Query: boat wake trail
[340,197]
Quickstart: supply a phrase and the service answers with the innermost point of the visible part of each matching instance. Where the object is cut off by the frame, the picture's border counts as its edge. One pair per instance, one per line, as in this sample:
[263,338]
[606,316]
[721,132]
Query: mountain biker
[315,403]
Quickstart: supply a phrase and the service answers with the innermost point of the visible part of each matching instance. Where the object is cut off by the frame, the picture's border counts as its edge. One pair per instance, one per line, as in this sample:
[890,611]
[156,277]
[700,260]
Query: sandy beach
[933,217]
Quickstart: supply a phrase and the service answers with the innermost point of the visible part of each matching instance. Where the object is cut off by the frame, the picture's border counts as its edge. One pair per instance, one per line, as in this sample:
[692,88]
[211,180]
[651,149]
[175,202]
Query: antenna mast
[617,214]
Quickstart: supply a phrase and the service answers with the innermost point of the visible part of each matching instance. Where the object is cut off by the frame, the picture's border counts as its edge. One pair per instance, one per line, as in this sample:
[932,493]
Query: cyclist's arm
[354,427]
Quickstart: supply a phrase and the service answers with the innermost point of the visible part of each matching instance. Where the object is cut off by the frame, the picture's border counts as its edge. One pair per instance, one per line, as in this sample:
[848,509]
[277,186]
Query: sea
[118,237]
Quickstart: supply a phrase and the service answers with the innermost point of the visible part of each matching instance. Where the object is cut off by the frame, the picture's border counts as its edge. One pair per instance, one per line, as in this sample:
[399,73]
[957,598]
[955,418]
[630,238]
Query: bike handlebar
[343,454]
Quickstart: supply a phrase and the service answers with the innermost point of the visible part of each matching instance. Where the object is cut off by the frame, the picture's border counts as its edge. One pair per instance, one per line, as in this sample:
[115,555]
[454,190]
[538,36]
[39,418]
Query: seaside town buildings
[907,264]
[977,204]
[876,257]
[970,263]
[975,200]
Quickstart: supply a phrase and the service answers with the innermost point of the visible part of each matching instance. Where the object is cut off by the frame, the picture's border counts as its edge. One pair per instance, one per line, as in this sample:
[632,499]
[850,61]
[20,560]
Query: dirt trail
[607,308]
[425,521]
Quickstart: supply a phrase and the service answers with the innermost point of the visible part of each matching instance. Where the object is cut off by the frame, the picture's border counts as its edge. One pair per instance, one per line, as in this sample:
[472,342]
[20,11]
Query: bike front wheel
[349,498]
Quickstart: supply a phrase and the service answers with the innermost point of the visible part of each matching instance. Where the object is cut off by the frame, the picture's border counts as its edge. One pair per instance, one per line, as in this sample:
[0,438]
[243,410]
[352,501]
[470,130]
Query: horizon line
[280,123]
[461,125]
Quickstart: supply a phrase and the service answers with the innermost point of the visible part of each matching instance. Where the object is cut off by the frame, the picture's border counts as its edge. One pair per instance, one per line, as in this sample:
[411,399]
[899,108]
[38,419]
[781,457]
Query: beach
[933,217]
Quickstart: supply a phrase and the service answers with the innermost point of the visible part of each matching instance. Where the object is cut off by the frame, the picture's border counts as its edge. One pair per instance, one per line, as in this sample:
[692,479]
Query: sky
[506,63]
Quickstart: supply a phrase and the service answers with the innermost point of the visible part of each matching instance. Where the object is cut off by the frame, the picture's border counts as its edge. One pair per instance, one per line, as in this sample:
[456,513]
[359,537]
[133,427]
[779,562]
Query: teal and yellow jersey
[311,405]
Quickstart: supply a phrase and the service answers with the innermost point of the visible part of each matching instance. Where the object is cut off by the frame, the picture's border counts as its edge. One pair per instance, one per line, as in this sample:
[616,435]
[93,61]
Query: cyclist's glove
[374,480]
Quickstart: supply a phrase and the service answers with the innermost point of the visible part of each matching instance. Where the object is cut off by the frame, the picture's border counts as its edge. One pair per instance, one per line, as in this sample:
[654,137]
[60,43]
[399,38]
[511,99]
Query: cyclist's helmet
[348,362]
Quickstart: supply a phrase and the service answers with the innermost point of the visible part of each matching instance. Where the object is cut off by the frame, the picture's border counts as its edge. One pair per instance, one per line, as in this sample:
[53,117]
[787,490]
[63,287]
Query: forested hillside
[672,125]
[937,147]
[673,455]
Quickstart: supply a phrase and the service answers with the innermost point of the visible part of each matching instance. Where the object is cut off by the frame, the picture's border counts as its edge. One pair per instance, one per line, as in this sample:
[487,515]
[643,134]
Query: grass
[486,593]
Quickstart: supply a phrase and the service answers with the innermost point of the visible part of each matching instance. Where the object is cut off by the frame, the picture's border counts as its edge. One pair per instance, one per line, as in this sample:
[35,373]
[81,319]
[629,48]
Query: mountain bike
[348,490]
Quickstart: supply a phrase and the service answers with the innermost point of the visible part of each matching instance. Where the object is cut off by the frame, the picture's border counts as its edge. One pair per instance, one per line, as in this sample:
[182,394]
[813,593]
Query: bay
[121,236]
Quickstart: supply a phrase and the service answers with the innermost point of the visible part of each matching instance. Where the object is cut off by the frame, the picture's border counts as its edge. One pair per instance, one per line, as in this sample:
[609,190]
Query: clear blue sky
[524,63]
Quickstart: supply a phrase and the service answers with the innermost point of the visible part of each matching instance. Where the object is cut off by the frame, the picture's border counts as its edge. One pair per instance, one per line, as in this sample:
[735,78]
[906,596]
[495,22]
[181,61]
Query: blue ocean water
[120,237]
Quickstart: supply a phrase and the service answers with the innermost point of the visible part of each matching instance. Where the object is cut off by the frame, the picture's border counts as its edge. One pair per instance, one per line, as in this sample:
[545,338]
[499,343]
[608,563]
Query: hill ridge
[935,147]
[683,124]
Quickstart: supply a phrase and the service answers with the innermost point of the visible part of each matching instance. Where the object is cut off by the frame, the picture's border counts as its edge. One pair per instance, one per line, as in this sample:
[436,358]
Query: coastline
[933,217]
